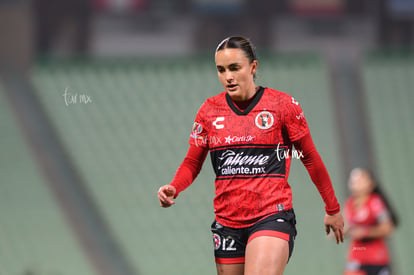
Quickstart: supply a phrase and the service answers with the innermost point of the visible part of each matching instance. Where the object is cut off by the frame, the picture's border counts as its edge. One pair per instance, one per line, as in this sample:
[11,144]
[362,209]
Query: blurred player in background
[250,132]
[369,221]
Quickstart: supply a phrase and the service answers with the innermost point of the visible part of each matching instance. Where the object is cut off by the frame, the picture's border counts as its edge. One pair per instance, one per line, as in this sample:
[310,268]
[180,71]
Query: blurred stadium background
[97,99]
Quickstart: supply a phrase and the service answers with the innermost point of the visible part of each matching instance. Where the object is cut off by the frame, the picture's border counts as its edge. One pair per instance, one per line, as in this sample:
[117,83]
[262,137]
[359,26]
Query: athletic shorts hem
[239,260]
[269,233]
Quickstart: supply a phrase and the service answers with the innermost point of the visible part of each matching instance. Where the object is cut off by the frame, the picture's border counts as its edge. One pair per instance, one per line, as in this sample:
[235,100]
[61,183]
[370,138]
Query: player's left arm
[320,177]
[298,132]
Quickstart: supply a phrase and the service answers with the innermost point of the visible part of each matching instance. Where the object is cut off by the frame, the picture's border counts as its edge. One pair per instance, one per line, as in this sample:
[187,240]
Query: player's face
[236,72]
[360,183]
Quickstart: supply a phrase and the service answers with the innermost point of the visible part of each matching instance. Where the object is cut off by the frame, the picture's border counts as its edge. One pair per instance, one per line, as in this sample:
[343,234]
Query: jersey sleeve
[294,119]
[318,173]
[199,131]
[189,168]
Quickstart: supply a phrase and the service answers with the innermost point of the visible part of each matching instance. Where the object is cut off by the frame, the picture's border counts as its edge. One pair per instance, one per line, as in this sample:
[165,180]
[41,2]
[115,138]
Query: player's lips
[231,87]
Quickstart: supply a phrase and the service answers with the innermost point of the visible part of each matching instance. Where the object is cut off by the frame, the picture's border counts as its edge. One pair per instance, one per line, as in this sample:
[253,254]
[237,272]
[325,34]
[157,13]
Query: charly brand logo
[264,120]
[216,124]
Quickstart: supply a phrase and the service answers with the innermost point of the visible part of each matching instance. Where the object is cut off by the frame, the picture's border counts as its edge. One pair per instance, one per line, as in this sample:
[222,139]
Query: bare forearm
[380,231]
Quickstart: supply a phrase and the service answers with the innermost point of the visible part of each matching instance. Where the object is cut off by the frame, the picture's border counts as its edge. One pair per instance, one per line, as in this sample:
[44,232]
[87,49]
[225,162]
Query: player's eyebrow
[234,65]
[229,66]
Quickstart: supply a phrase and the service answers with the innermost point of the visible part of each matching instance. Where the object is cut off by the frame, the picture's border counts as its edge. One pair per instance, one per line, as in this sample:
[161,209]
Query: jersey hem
[235,224]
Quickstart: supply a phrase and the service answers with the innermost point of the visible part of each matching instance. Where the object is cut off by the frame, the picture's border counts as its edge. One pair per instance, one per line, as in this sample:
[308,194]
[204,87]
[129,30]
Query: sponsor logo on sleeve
[300,116]
[196,130]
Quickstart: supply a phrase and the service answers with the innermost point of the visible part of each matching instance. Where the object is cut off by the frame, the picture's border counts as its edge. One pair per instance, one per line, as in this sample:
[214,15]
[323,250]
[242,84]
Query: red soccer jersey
[251,152]
[370,252]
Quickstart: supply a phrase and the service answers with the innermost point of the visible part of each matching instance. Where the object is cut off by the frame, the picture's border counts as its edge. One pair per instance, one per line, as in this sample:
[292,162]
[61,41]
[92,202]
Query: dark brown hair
[239,42]
[378,190]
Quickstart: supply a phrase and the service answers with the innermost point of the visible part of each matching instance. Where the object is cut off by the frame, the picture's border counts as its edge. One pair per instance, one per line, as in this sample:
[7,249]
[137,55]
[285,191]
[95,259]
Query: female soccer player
[250,131]
[369,221]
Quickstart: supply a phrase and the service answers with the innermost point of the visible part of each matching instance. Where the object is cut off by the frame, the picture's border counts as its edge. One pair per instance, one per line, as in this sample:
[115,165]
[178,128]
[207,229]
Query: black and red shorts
[368,269]
[230,243]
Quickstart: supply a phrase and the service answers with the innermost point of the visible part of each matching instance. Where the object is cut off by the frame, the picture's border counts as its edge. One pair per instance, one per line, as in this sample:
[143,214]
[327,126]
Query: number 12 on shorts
[226,243]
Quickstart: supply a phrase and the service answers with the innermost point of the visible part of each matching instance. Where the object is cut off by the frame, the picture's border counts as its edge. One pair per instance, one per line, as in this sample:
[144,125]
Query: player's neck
[360,200]
[243,104]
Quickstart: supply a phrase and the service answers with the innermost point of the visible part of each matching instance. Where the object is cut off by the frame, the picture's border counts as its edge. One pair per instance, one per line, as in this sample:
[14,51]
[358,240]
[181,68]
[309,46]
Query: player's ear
[253,67]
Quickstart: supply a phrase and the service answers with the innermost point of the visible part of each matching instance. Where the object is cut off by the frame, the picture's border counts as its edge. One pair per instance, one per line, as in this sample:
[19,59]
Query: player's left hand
[336,223]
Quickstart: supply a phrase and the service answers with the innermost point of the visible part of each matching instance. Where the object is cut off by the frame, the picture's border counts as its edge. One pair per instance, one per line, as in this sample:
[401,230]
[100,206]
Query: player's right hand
[166,195]
[336,224]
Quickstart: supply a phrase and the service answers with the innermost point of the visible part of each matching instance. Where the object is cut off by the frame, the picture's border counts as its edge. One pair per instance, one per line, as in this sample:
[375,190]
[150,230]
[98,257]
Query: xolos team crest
[264,120]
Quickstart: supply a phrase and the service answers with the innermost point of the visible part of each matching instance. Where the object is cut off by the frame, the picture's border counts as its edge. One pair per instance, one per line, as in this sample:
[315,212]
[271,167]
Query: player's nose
[229,77]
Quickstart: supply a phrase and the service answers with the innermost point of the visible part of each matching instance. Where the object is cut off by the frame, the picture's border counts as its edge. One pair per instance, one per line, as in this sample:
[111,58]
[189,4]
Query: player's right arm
[193,161]
[185,175]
